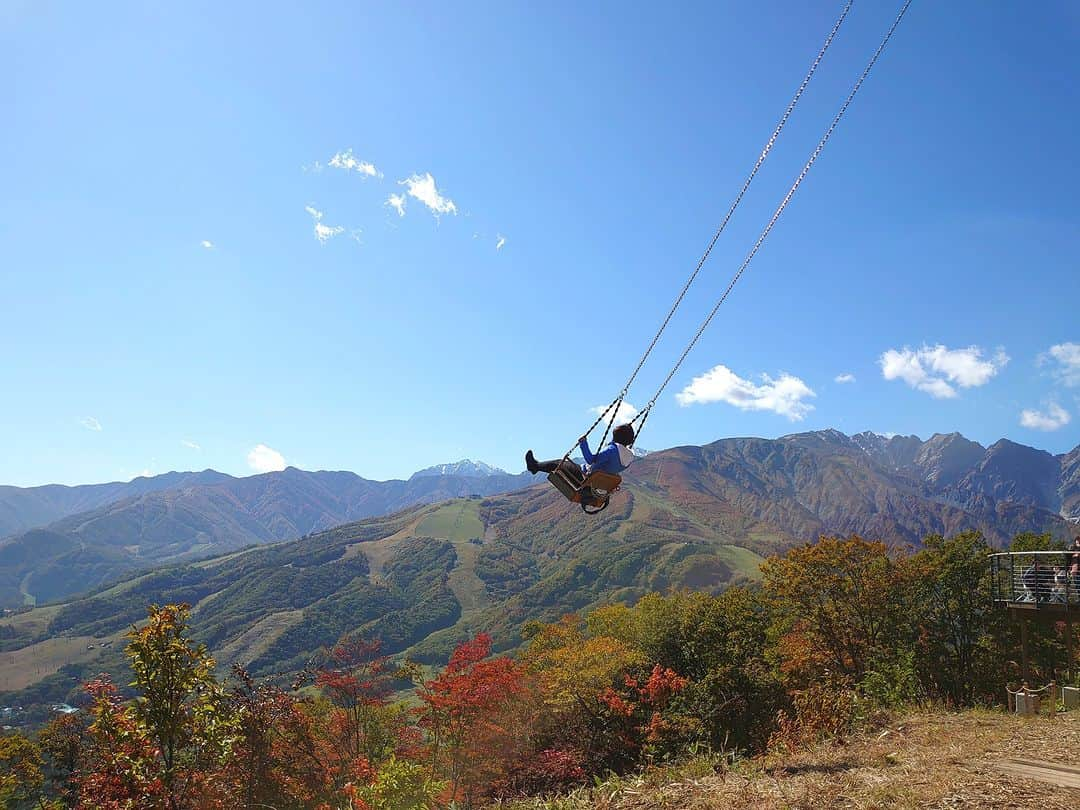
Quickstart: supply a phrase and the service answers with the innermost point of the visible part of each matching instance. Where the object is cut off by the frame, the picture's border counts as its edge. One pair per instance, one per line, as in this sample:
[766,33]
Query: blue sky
[934,243]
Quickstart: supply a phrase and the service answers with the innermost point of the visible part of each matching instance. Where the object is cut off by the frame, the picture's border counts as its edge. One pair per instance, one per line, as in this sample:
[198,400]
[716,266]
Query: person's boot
[530,463]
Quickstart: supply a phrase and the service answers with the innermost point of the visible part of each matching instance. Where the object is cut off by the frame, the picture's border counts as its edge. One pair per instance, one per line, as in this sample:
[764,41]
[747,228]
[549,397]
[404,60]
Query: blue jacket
[612,459]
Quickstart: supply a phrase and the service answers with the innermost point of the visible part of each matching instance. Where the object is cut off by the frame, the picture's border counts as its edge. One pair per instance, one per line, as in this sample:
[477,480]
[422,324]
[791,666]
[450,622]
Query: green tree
[959,653]
[398,785]
[180,704]
[839,607]
[719,644]
[20,770]
[62,743]
[1030,541]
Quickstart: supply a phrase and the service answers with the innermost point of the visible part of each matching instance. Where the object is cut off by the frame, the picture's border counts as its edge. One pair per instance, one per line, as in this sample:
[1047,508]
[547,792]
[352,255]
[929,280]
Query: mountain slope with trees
[700,518]
[190,516]
[840,637]
[762,494]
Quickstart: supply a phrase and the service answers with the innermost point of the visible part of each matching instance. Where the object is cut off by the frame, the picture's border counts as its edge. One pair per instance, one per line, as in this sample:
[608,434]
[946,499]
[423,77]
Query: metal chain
[615,403]
[738,198]
[780,209]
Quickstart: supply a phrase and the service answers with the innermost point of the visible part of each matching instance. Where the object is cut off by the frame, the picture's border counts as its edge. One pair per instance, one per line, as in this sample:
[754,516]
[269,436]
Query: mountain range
[65,540]
[463,467]
[422,577]
[83,537]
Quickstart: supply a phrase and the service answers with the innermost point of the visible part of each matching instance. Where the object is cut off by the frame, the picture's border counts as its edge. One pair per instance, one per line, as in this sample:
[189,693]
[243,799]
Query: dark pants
[569,468]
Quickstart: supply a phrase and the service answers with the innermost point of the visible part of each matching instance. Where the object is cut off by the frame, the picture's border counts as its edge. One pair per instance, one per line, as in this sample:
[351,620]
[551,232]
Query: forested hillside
[691,517]
[838,636]
[187,517]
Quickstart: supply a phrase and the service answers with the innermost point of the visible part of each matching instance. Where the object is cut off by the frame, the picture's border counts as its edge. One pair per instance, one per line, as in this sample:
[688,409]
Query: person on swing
[613,459]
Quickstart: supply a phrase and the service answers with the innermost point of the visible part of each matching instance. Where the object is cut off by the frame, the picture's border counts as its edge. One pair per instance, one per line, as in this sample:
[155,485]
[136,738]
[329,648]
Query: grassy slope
[515,557]
[922,759]
[27,665]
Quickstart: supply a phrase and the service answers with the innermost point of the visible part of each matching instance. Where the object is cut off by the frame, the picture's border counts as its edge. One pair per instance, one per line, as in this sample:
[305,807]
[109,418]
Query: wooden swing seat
[592,490]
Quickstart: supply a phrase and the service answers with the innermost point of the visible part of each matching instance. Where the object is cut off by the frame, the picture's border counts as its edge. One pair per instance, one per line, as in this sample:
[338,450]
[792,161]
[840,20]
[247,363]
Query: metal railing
[1037,579]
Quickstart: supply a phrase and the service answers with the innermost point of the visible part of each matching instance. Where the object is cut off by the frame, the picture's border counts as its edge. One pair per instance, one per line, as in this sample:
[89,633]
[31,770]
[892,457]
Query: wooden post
[1069,644]
[1053,699]
[1024,673]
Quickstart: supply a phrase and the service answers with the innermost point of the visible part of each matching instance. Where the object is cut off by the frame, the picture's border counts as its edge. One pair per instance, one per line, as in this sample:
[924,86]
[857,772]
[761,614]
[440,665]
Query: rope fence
[1028,701]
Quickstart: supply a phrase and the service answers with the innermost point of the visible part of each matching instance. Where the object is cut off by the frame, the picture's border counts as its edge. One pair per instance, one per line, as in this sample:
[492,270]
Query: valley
[427,576]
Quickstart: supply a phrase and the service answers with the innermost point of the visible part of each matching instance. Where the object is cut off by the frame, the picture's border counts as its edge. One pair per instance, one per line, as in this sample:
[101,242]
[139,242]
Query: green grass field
[741,559]
[459,522]
[456,521]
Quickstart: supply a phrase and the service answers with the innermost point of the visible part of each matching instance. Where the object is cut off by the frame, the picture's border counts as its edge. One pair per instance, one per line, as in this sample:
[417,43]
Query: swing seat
[592,490]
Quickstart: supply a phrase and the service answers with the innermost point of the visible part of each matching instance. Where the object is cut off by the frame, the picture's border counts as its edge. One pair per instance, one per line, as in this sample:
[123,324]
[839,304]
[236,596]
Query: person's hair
[624,434]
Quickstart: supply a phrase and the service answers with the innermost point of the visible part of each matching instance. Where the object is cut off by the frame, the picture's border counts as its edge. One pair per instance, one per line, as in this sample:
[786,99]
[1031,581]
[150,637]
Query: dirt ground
[934,760]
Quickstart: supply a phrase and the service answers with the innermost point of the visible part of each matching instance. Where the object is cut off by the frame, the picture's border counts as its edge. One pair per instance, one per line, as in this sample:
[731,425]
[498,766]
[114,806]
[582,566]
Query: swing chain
[615,403]
[783,203]
[738,199]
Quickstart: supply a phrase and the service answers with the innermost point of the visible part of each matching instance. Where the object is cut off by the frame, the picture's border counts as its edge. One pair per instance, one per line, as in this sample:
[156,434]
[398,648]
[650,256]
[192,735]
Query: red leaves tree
[358,681]
[120,757]
[278,758]
[476,715]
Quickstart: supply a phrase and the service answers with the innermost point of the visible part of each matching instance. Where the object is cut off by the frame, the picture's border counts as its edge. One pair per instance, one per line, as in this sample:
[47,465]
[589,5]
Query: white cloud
[844,378]
[206,243]
[90,423]
[500,240]
[933,368]
[783,395]
[1067,358]
[190,444]
[621,416]
[347,161]
[422,187]
[265,459]
[323,232]
[397,202]
[1052,418]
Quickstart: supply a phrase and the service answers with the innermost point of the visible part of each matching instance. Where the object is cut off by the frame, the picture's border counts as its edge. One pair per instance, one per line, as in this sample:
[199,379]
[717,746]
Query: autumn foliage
[837,630]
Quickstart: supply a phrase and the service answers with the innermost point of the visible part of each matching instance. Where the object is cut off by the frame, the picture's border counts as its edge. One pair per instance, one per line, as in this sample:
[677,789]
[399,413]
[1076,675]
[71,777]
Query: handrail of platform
[1036,579]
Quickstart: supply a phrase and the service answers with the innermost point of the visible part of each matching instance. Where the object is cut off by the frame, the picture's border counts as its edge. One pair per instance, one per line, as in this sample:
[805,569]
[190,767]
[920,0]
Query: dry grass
[927,760]
[31,622]
[28,665]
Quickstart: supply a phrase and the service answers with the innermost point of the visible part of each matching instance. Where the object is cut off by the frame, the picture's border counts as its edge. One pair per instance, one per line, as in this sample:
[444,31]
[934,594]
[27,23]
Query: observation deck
[1044,582]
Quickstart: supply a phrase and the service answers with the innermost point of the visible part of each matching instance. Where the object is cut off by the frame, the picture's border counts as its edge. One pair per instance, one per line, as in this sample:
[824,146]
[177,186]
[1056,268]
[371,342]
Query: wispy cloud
[347,161]
[500,240]
[844,378]
[190,444]
[265,459]
[933,369]
[206,243]
[1065,358]
[323,232]
[621,415]
[397,202]
[90,423]
[784,395]
[422,187]
[1053,418]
